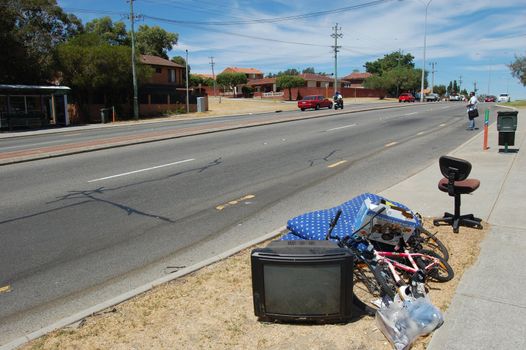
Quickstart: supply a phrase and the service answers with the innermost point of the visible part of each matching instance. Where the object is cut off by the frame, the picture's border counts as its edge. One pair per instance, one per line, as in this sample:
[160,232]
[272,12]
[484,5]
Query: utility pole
[134,73]
[336,35]
[459,84]
[475,87]
[489,78]
[424,64]
[432,64]
[212,63]
[398,76]
[187,96]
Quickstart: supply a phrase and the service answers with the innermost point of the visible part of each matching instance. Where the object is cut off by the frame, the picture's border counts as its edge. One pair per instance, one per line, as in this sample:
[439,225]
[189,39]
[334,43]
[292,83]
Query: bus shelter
[29,106]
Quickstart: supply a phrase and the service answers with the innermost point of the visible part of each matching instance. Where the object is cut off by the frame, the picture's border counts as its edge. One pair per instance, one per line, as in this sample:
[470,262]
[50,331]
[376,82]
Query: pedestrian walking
[473,111]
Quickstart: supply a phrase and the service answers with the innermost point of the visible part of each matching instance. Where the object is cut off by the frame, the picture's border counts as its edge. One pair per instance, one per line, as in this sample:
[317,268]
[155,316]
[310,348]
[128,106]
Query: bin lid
[507,113]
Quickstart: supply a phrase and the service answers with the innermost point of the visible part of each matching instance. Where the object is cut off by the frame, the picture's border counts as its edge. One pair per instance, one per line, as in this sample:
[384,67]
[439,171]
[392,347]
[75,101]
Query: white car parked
[503,98]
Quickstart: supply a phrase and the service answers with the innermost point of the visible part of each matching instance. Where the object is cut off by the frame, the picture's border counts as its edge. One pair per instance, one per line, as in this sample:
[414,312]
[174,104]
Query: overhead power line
[275,19]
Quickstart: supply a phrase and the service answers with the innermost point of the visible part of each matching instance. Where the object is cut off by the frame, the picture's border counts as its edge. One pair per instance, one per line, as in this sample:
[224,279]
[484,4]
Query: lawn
[517,104]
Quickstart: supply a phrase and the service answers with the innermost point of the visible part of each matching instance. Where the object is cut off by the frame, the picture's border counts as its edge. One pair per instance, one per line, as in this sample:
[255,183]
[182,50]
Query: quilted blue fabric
[315,225]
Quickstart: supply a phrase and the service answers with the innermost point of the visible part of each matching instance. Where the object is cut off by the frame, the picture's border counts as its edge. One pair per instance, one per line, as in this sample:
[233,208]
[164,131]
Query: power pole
[336,35]
[459,84]
[187,96]
[432,64]
[489,78]
[212,63]
[134,73]
[397,80]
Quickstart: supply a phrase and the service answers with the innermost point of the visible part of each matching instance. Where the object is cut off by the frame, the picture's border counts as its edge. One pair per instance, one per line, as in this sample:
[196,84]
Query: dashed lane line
[341,127]
[235,201]
[336,164]
[142,170]
[391,144]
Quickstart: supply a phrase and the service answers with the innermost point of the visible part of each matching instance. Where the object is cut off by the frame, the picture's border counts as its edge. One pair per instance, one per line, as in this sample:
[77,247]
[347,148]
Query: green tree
[155,41]
[395,80]
[90,66]
[114,33]
[289,82]
[195,80]
[289,71]
[30,30]
[309,70]
[388,62]
[229,80]
[518,69]
[440,89]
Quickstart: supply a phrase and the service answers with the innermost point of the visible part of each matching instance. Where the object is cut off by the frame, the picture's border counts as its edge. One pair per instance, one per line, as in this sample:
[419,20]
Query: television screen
[302,281]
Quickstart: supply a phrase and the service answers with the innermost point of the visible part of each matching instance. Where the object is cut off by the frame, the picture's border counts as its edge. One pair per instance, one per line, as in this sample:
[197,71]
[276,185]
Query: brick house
[251,73]
[165,91]
[355,80]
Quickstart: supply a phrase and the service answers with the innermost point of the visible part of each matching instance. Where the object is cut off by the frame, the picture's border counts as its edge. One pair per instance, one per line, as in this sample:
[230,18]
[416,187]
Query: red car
[406,97]
[314,101]
[490,99]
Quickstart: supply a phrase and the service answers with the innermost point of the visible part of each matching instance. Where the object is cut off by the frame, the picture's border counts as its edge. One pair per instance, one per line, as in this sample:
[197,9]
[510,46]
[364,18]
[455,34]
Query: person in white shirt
[472,106]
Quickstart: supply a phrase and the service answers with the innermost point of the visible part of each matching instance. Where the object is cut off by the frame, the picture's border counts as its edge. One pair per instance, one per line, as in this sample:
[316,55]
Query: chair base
[467,220]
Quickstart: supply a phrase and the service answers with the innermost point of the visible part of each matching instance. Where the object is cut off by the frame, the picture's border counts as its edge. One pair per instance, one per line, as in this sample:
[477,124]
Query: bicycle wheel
[373,281]
[442,272]
[429,241]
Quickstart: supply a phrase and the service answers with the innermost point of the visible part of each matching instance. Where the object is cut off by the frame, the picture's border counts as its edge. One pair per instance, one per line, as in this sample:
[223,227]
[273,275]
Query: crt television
[305,281]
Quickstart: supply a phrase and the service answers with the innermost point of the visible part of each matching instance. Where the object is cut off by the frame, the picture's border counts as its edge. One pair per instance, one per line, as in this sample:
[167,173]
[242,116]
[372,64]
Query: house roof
[263,81]
[357,75]
[204,75]
[159,61]
[316,77]
[243,70]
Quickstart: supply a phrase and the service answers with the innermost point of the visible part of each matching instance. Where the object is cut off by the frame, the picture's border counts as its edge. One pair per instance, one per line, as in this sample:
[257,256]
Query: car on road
[406,97]
[432,97]
[490,99]
[315,102]
[503,98]
[455,97]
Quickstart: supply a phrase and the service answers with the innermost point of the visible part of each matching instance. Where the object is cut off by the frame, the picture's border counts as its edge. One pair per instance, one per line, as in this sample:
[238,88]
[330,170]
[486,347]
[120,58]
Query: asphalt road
[25,140]
[79,229]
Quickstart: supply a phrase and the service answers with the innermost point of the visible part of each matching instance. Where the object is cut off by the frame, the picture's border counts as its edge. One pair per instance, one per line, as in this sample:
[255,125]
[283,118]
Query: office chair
[456,183]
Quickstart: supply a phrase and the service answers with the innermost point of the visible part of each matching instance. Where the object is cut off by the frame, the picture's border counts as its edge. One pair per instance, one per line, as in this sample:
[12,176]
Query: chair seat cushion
[461,187]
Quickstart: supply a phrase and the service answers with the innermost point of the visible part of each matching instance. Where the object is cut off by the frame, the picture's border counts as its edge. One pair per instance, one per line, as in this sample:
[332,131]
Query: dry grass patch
[212,309]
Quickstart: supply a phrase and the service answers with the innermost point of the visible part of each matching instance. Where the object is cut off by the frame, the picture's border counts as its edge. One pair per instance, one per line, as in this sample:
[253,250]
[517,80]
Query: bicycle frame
[384,257]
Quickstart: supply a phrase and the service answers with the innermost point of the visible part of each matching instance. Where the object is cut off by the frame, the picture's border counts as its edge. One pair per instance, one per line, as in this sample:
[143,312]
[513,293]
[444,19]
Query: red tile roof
[356,75]
[316,77]
[243,70]
[159,61]
[263,81]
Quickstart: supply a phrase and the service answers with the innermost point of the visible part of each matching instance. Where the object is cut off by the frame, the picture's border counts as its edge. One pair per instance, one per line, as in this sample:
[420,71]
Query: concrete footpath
[487,309]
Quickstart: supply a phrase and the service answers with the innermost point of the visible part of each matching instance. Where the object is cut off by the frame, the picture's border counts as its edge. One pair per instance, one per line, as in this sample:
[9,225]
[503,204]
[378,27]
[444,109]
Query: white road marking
[410,113]
[420,133]
[391,144]
[341,127]
[442,125]
[337,163]
[142,170]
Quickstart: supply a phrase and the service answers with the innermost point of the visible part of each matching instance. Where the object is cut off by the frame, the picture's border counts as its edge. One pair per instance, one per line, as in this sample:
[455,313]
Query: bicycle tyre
[431,242]
[441,273]
[375,286]
[385,280]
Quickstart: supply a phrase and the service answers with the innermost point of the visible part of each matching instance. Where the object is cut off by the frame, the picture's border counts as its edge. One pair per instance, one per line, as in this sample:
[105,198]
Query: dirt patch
[212,309]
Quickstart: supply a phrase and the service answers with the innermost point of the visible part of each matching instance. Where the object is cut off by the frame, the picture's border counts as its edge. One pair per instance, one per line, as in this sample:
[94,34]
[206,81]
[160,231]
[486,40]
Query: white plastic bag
[402,322]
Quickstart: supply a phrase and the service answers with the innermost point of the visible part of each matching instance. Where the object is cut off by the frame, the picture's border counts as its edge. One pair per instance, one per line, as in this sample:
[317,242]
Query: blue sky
[472,40]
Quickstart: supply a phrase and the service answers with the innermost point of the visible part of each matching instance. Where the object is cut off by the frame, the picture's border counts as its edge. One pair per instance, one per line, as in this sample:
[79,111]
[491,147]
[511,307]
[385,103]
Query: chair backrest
[457,168]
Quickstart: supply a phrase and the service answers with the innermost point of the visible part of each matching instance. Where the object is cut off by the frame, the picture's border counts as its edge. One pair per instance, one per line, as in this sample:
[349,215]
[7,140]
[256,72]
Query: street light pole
[424,65]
